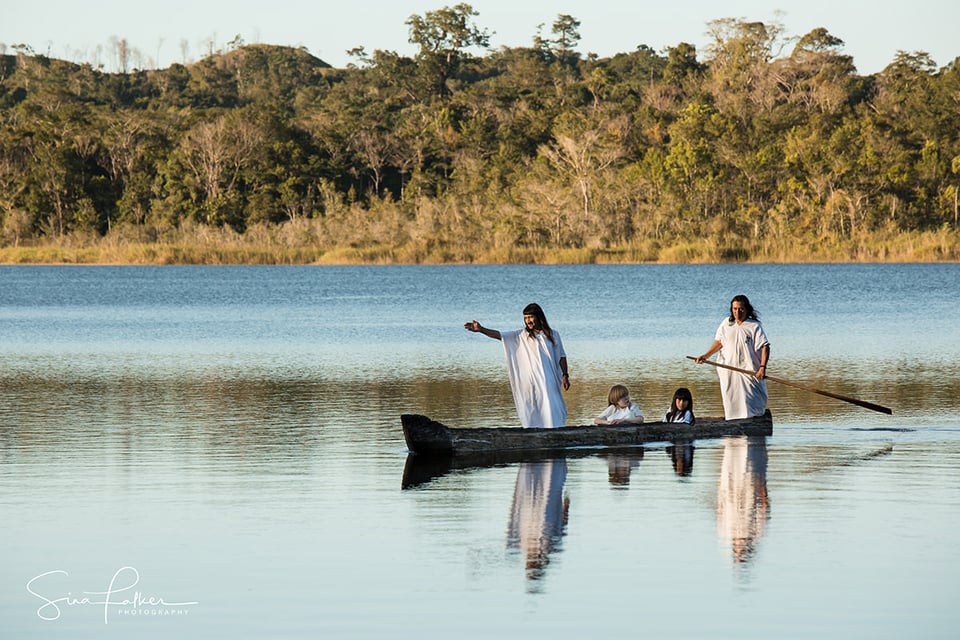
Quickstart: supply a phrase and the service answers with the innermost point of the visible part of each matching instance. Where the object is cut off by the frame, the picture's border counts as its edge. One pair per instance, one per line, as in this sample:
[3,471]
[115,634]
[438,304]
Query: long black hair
[752,314]
[681,394]
[533,309]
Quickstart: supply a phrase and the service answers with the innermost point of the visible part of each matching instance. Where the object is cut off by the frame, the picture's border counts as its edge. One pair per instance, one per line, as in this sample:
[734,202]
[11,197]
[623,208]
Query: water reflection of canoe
[421,468]
[424,435]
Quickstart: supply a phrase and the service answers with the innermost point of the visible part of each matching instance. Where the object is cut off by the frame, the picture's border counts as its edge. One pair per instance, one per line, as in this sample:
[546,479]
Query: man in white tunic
[743,344]
[536,366]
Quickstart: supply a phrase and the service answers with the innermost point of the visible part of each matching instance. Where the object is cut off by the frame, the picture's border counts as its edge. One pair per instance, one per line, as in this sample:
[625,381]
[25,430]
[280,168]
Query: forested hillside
[761,147]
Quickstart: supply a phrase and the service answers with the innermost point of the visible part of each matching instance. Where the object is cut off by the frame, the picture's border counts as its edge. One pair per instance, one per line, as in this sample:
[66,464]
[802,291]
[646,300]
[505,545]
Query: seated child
[621,409]
[681,409]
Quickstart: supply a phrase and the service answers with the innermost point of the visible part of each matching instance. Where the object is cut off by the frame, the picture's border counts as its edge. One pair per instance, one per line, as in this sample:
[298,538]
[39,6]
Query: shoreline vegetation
[763,147]
[279,245]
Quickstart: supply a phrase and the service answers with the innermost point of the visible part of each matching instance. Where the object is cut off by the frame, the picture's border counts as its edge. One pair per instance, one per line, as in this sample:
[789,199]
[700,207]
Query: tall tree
[581,152]
[740,53]
[566,32]
[444,37]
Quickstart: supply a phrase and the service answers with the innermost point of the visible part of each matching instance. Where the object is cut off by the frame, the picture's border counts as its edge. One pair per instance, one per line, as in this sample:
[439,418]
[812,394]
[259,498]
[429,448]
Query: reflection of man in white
[536,366]
[743,507]
[539,513]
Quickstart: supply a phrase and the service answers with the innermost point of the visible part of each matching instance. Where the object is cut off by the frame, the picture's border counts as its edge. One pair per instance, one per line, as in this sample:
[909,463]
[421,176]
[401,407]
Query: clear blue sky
[184,31]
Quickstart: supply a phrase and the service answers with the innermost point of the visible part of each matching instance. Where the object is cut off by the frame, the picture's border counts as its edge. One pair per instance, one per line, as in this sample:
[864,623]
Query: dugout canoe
[426,436]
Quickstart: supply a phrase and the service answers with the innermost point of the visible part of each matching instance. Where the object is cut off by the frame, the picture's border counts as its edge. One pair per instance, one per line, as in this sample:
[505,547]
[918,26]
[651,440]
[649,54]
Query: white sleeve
[558,346]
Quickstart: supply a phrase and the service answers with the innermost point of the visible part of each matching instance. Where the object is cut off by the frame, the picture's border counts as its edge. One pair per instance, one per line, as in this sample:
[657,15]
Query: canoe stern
[424,435]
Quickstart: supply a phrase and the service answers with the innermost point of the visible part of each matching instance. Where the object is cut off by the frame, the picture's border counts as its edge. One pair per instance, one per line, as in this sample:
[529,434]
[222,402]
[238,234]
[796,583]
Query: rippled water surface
[216,452]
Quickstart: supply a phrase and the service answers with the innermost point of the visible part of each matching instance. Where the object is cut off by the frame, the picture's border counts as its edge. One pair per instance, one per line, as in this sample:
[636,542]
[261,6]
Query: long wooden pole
[861,403]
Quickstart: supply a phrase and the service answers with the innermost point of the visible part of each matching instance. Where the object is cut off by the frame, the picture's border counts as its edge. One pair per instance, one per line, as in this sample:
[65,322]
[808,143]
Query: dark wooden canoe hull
[424,435]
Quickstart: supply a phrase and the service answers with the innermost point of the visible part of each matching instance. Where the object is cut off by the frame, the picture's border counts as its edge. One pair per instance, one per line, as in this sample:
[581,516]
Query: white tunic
[686,416]
[533,366]
[743,396]
[613,412]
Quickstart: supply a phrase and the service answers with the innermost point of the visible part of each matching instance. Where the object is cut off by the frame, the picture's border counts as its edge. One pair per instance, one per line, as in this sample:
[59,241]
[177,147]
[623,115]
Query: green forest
[762,147]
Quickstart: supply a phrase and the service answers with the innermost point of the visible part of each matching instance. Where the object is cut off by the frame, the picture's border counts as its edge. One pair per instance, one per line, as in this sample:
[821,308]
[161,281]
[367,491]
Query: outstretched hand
[475,327]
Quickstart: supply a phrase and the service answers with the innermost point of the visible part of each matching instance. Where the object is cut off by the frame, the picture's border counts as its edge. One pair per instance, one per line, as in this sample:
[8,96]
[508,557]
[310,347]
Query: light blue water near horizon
[229,437]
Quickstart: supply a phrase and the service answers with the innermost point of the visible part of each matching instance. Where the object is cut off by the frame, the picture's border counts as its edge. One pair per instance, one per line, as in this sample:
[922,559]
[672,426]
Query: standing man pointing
[536,366]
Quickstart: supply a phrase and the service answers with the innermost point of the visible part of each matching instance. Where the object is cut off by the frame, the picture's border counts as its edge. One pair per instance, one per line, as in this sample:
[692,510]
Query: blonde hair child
[621,409]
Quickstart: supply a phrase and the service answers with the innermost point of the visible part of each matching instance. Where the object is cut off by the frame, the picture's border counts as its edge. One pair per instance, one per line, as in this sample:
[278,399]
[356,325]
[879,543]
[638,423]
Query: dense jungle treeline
[762,147]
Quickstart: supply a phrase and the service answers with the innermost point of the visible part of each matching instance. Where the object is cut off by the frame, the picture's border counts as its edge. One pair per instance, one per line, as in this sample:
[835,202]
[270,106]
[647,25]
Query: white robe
[743,396]
[533,366]
[613,412]
[686,416]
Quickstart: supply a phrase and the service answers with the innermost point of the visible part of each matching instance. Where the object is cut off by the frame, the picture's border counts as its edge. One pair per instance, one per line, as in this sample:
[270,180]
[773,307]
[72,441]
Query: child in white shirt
[621,409]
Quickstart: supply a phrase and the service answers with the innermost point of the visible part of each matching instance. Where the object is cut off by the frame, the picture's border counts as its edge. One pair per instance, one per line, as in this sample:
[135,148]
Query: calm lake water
[216,452]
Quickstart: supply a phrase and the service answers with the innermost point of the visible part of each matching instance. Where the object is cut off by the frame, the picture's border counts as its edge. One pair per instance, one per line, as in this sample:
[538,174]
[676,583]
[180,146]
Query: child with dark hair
[681,408]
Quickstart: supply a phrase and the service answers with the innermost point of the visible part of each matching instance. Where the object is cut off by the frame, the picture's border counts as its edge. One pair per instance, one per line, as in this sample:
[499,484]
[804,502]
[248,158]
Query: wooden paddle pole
[860,403]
